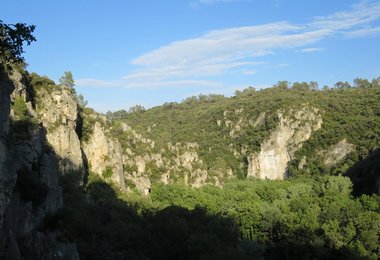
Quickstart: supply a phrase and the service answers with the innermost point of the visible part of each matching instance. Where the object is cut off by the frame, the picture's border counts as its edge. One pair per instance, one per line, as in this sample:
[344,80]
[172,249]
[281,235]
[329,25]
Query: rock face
[29,188]
[178,162]
[293,129]
[141,182]
[7,179]
[58,114]
[337,152]
[102,152]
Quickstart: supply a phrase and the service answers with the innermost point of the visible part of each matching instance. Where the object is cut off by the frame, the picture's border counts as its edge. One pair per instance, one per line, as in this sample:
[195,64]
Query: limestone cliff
[104,152]
[29,188]
[294,128]
[58,111]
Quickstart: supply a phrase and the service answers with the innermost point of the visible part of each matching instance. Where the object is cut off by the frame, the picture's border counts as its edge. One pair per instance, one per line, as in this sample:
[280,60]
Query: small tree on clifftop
[67,80]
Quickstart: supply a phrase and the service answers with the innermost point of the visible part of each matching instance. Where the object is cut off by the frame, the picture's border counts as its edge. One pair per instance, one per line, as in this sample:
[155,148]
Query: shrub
[107,173]
[20,109]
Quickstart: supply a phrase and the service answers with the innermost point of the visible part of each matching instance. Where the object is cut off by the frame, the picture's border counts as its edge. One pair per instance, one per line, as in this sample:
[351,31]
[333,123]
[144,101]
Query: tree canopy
[12,38]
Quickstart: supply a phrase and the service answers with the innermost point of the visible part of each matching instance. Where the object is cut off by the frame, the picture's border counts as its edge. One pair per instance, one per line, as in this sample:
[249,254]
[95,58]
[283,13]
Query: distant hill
[283,131]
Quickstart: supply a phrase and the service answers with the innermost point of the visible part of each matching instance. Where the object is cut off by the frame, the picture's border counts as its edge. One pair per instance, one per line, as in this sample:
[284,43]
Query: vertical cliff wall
[104,154]
[29,187]
[57,110]
[294,128]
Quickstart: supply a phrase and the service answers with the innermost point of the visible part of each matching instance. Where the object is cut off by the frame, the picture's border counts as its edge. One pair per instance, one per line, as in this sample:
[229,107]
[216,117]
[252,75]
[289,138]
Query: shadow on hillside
[365,174]
[105,227]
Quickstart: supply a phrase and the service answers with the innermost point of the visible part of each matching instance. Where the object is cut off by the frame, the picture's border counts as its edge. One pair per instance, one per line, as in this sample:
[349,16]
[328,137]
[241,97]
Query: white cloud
[364,32]
[249,72]
[171,83]
[217,52]
[97,83]
[360,14]
[144,84]
[221,46]
[311,50]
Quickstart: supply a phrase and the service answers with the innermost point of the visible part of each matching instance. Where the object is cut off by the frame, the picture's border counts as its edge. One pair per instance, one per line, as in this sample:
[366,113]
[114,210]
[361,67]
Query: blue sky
[148,52]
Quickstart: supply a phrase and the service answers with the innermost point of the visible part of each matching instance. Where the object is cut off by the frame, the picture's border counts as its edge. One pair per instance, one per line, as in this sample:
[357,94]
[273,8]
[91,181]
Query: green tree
[362,83]
[81,101]
[342,85]
[300,86]
[376,82]
[284,85]
[313,85]
[12,38]
[136,109]
[67,80]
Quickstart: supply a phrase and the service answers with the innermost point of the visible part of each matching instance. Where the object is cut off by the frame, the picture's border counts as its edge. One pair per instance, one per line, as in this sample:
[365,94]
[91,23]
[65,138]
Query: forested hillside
[224,132]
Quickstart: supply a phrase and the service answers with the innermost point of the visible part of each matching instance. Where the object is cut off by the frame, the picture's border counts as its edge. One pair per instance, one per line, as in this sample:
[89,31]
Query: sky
[147,52]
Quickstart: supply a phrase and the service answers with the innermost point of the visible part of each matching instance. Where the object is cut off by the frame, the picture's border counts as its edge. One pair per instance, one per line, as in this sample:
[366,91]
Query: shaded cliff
[29,184]
[42,138]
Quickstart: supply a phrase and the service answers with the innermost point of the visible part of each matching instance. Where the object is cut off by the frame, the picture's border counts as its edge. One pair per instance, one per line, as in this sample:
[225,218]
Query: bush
[107,173]
[20,109]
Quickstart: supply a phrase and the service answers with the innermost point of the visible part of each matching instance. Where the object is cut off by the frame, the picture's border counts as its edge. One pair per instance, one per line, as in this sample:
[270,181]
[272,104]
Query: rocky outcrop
[58,111]
[294,128]
[198,178]
[102,151]
[337,152]
[140,182]
[177,162]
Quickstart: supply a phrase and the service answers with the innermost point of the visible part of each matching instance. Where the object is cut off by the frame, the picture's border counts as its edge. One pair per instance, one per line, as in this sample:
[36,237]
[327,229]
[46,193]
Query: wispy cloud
[97,83]
[171,83]
[311,49]
[360,14]
[239,50]
[148,84]
[249,72]
[364,32]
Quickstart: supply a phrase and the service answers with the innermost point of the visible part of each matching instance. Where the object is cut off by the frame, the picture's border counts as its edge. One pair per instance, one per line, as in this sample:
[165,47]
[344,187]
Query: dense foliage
[252,219]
